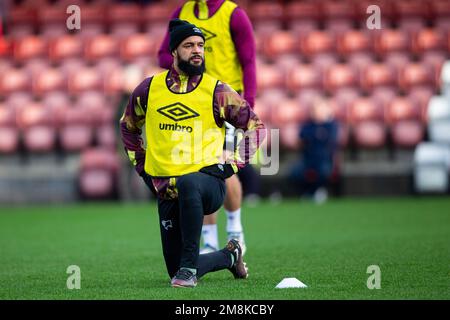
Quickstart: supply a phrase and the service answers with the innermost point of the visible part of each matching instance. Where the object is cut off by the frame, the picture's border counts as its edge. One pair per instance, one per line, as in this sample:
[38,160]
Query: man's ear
[174,53]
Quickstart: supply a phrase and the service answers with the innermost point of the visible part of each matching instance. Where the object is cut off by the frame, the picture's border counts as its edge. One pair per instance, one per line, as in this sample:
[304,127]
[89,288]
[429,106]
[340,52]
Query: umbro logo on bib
[208,34]
[177,112]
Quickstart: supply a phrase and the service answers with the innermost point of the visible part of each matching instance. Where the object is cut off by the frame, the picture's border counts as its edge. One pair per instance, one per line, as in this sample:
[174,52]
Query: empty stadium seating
[8,131]
[98,173]
[386,86]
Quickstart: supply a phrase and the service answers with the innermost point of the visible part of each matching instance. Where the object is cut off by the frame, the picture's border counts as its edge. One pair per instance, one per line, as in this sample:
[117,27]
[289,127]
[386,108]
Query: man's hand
[221,171]
[148,181]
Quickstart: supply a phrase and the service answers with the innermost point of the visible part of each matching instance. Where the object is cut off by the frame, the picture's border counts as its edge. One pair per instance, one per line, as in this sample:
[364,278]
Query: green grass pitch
[328,247]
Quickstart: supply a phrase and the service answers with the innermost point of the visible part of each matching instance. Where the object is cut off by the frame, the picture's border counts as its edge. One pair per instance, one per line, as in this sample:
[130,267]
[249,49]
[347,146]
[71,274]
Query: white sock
[234,220]
[210,237]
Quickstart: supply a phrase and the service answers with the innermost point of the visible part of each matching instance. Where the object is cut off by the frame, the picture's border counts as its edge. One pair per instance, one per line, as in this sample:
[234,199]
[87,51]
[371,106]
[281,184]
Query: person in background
[318,145]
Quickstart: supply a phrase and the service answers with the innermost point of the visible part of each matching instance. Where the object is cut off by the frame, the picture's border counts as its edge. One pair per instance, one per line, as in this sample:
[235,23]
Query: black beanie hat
[180,30]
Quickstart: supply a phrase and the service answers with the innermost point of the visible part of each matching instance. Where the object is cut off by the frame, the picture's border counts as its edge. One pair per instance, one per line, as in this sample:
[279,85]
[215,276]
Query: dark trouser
[181,224]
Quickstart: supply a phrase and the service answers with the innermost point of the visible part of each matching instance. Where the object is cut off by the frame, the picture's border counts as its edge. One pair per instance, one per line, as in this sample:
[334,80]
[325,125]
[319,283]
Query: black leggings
[181,223]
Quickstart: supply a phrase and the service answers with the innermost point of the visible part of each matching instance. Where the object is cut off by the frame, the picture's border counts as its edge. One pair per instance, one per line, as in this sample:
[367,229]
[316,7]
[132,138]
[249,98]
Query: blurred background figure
[318,145]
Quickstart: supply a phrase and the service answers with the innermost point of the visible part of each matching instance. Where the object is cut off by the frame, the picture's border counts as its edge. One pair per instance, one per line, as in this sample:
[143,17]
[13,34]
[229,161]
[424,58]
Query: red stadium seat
[360,60]
[411,15]
[71,66]
[5,49]
[8,131]
[34,67]
[49,81]
[377,75]
[52,20]
[369,134]
[279,42]
[412,26]
[390,40]
[98,173]
[97,106]
[340,76]
[57,102]
[439,8]
[354,41]
[14,80]
[435,61]
[338,10]
[75,133]
[365,109]
[18,100]
[266,11]
[324,61]
[5,64]
[397,61]
[124,19]
[20,32]
[407,134]
[401,109]
[137,46]
[428,40]
[317,42]
[156,15]
[94,15]
[37,124]
[101,46]
[302,28]
[287,61]
[86,79]
[342,101]
[411,9]
[308,11]
[52,14]
[304,76]
[338,16]
[269,76]
[307,97]
[106,136]
[22,16]
[338,27]
[124,13]
[422,97]
[67,46]
[440,14]
[415,75]
[114,82]
[29,48]
[384,95]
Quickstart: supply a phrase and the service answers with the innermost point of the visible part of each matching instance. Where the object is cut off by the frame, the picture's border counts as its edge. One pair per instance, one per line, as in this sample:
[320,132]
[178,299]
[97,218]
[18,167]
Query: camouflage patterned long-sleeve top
[229,106]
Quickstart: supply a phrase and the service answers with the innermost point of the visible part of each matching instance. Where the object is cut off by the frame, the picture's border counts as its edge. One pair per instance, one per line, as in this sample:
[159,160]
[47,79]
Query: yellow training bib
[182,134]
[221,59]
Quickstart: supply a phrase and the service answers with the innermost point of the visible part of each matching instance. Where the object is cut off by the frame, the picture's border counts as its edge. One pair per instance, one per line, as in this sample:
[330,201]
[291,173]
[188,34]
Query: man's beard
[190,69]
